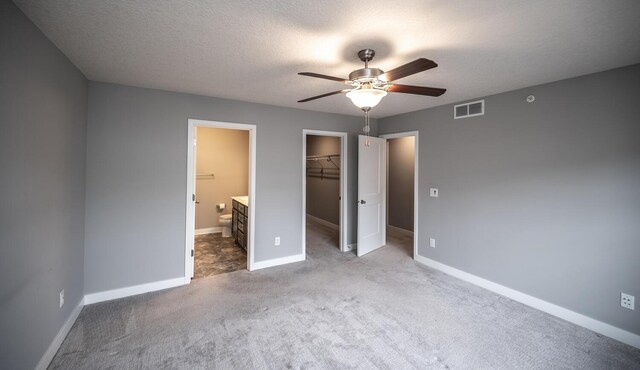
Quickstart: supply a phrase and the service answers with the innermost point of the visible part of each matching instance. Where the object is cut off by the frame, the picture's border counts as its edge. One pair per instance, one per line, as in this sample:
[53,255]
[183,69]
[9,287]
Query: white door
[371,193]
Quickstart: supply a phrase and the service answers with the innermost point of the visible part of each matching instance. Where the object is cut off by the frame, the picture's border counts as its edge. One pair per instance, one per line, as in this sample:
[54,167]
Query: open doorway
[220,198]
[221,185]
[324,189]
[402,186]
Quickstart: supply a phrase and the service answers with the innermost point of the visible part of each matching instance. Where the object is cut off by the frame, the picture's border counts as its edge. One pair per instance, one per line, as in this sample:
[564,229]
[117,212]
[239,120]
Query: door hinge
[192,253]
[193,197]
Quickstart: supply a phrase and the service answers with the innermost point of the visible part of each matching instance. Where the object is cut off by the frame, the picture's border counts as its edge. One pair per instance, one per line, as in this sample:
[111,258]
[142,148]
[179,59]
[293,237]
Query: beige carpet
[333,311]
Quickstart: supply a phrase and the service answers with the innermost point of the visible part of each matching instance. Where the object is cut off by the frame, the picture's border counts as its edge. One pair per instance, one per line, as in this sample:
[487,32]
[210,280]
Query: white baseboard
[323,222]
[537,303]
[59,338]
[208,230]
[400,230]
[133,290]
[277,262]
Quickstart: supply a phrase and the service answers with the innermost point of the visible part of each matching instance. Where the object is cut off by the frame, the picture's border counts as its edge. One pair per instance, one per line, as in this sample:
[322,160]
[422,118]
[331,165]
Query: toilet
[225,223]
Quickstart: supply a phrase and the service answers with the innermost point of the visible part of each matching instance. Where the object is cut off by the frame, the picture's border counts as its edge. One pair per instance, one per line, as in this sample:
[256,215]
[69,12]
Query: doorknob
[362,202]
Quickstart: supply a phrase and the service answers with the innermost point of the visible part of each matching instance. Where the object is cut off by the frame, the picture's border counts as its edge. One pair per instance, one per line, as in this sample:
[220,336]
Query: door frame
[190,189]
[416,182]
[344,170]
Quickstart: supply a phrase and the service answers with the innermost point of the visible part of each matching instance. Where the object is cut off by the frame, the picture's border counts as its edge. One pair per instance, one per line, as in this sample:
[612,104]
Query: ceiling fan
[369,85]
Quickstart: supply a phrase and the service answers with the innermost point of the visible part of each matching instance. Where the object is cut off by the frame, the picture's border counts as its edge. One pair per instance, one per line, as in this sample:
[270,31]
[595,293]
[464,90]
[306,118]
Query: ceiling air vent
[475,108]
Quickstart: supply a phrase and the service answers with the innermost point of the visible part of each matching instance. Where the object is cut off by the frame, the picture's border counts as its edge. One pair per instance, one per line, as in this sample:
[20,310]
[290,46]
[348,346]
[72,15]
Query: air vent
[475,108]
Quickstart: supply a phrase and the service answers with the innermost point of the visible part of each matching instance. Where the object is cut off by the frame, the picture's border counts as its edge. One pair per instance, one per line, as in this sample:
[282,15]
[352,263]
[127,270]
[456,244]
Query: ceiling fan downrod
[365,74]
[366,55]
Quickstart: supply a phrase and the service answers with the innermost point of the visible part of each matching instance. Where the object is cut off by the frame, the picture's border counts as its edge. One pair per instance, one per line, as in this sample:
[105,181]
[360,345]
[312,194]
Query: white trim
[278,261]
[344,171]
[400,230]
[209,230]
[324,222]
[416,181]
[134,290]
[190,217]
[352,247]
[537,303]
[59,338]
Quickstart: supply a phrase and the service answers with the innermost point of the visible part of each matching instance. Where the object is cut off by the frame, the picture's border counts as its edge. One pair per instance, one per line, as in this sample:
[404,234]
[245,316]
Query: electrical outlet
[277,241]
[627,301]
[61,298]
[432,242]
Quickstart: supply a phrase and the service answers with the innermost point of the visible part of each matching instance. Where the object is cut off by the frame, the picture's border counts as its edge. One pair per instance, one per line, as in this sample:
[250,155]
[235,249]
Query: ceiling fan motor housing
[365,74]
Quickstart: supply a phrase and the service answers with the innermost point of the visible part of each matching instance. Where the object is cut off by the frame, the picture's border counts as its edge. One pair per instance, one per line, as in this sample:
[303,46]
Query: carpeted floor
[333,311]
[217,255]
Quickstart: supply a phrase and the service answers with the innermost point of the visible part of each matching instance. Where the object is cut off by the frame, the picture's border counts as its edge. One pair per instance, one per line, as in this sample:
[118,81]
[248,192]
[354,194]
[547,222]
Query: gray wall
[544,197]
[401,180]
[43,101]
[323,192]
[136,179]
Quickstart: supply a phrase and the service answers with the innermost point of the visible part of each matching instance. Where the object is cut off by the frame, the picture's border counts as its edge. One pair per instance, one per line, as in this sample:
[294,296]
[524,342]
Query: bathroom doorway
[324,179]
[402,187]
[220,201]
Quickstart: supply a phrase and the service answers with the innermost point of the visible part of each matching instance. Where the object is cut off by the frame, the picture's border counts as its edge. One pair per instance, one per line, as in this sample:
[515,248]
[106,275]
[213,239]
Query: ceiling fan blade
[323,95]
[318,75]
[418,90]
[408,69]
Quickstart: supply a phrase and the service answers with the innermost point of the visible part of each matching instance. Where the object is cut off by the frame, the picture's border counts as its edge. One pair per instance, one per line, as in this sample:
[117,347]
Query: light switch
[433,192]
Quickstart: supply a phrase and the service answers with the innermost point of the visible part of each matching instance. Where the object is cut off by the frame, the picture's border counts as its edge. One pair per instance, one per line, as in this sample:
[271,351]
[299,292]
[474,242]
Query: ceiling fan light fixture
[366,98]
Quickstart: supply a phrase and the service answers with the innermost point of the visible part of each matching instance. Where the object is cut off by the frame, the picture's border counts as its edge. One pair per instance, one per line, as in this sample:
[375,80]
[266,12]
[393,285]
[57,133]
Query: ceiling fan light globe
[366,98]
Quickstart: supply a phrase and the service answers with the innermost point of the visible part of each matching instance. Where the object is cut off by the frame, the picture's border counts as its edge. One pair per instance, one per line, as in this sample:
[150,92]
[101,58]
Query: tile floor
[216,255]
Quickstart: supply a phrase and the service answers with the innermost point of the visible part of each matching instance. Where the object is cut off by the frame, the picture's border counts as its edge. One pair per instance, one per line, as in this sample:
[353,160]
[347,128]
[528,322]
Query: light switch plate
[432,242]
[433,192]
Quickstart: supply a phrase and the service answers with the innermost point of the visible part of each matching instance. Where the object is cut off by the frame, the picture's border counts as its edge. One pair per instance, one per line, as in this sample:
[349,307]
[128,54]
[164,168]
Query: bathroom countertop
[242,199]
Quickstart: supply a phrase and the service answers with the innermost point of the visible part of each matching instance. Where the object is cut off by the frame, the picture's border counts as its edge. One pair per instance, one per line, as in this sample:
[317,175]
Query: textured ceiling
[251,50]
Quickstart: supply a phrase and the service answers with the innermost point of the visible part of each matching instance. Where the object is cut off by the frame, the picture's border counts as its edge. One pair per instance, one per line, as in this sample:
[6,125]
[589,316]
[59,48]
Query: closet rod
[318,157]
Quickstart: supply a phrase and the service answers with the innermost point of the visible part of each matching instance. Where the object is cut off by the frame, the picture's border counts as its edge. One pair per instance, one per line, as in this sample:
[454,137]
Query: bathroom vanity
[240,220]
